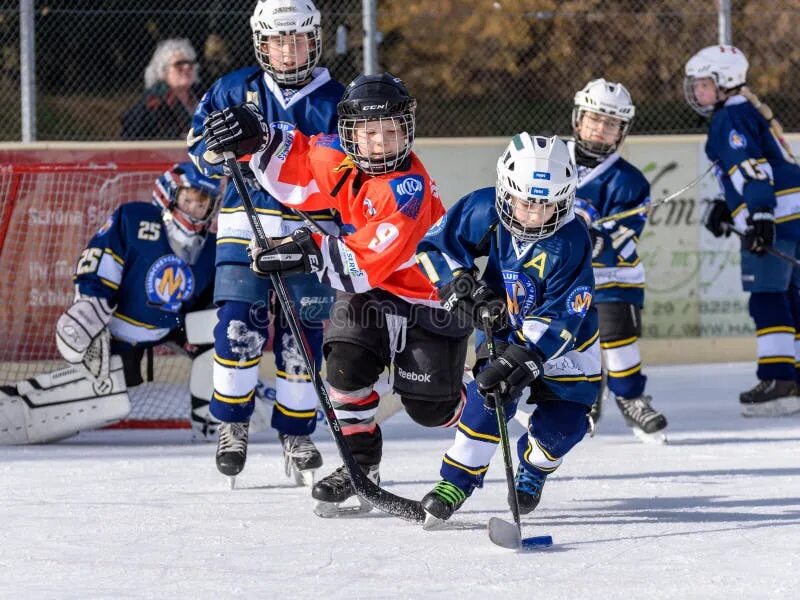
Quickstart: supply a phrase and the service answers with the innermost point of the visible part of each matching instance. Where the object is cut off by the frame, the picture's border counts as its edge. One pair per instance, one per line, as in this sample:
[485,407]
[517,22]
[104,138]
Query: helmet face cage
[359,134]
[299,73]
[595,148]
[509,204]
[167,190]
[691,98]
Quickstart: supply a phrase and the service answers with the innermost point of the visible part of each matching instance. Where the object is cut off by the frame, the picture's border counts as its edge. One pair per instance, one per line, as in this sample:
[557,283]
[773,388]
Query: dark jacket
[158,115]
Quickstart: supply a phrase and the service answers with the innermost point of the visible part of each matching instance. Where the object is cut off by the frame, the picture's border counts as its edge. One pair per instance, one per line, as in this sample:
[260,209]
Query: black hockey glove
[760,233]
[467,297]
[719,219]
[598,241]
[238,129]
[297,254]
[509,374]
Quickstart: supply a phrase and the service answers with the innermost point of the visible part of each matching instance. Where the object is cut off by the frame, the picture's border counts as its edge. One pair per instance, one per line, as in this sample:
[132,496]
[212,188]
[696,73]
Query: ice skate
[331,491]
[528,484]
[770,398]
[232,449]
[440,504]
[301,458]
[647,423]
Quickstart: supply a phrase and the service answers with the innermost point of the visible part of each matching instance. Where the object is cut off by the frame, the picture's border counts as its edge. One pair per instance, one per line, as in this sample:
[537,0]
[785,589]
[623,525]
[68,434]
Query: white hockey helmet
[604,98]
[536,183]
[283,19]
[726,66]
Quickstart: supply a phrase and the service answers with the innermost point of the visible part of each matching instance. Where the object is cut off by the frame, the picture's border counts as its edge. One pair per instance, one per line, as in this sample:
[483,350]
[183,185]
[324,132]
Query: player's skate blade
[507,535]
[232,481]
[304,478]
[780,407]
[335,510]
[657,437]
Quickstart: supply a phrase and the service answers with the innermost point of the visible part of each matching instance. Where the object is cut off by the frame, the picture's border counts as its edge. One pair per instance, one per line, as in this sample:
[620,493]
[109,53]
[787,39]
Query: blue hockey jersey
[548,286]
[311,109]
[129,262]
[754,171]
[611,187]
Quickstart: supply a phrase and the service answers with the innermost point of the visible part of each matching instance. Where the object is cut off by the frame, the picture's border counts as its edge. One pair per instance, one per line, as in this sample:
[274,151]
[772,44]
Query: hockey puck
[536,542]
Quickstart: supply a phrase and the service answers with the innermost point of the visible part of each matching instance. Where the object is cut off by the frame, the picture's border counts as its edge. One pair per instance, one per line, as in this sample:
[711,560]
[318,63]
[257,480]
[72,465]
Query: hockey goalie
[145,278]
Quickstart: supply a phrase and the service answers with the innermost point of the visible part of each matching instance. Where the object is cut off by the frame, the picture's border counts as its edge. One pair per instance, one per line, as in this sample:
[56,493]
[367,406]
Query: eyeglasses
[180,64]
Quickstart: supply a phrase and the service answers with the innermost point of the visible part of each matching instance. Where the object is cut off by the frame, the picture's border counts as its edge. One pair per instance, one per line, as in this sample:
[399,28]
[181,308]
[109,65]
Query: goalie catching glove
[297,253]
[237,129]
[509,374]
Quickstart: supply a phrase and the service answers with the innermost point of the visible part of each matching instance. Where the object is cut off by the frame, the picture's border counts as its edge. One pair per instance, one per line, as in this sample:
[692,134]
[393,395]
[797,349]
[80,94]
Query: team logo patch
[282,125]
[579,300]
[736,140]
[520,295]
[408,192]
[106,226]
[538,191]
[437,227]
[169,283]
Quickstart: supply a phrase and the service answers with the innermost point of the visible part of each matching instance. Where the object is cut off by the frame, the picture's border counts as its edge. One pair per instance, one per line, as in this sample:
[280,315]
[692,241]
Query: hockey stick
[503,533]
[642,208]
[410,510]
[769,250]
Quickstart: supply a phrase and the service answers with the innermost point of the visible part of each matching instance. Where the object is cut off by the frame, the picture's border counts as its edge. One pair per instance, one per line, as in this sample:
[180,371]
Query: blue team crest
[437,227]
[169,282]
[579,300]
[520,295]
[105,227]
[736,140]
[408,192]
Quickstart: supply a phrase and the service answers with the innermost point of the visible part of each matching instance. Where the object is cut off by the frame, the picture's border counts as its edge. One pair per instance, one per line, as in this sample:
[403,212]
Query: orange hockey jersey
[389,213]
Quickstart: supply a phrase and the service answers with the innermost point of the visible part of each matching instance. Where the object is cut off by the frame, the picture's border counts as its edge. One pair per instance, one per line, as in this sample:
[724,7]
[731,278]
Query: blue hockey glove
[719,219]
[295,254]
[467,297]
[238,129]
[509,374]
[760,233]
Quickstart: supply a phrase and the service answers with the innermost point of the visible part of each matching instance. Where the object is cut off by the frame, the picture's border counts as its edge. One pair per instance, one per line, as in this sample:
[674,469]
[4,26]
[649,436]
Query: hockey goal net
[48,212]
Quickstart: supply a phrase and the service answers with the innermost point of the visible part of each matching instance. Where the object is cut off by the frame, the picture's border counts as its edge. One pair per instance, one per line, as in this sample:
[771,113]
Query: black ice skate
[232,449]
[529,486]
[770,398]
[301,458]
[597,408]
[441,502]
[331,491]
[647,423]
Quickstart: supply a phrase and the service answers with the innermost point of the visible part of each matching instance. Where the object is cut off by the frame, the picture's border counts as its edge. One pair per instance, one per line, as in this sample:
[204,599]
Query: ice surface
[716,513]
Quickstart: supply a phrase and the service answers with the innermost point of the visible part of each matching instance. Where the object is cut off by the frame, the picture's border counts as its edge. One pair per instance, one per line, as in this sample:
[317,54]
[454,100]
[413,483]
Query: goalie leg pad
[57,405]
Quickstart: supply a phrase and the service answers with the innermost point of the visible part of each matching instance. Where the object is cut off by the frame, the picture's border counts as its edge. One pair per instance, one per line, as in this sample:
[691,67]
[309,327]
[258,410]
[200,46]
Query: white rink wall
[695,309]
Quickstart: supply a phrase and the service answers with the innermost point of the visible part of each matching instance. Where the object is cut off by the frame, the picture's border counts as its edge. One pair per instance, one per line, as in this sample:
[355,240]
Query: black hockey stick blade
[409,510]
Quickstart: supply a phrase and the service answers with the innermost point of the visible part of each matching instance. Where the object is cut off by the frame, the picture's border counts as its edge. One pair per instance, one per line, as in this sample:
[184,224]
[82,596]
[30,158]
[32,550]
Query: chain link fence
[477,67]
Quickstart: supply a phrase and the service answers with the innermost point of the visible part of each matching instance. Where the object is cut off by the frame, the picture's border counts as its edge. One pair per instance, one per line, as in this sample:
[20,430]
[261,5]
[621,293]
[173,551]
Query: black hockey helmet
[376,122]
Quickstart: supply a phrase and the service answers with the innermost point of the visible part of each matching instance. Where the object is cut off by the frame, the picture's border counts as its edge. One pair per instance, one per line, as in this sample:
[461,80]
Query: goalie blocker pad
[57,405]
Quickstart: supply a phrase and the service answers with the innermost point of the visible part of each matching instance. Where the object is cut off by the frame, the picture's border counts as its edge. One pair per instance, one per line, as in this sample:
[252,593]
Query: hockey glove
[760,233]
[238,129]
[509,374]
[585,210]
[719,219]
[295,254]
[467,297]
[80,325]
[598,242]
